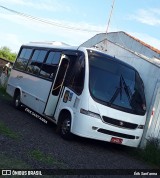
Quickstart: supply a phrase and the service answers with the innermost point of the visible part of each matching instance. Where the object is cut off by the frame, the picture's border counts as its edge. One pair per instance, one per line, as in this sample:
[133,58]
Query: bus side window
[23,58]
[76,79]
[36,61]
[49,68]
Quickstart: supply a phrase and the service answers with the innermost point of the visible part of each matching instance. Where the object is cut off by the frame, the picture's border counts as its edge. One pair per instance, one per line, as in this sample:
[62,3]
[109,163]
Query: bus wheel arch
[17,99]
[64,124]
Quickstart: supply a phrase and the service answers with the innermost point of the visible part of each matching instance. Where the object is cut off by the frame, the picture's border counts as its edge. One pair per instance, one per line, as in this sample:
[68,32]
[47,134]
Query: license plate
[116,140]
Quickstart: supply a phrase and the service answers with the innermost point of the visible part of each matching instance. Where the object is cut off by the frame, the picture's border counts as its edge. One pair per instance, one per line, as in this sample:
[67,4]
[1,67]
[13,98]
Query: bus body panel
[84,126]
[87,126]
[34,90]
[68,101]
[115,114]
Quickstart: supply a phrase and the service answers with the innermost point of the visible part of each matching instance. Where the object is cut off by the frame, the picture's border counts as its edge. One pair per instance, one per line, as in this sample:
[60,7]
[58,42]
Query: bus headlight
[89,113]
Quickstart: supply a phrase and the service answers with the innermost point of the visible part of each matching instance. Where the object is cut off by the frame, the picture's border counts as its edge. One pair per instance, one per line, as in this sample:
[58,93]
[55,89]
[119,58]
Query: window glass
[23,51]
[41,56]
[76,78]
[23,59]
[27,53]
[36,61]
[49,68]
[53,58]
[48,71]
[115,84]
[35,55]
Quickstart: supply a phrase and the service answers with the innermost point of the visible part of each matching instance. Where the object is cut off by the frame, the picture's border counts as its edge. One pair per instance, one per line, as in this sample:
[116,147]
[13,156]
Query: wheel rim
[17,101]
[66,126]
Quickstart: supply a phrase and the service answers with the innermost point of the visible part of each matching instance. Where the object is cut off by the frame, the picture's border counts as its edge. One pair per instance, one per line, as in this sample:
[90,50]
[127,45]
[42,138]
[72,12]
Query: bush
[152,151]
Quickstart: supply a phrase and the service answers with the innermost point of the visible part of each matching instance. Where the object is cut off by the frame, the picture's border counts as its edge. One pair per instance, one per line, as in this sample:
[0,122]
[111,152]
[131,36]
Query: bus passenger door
[56,88]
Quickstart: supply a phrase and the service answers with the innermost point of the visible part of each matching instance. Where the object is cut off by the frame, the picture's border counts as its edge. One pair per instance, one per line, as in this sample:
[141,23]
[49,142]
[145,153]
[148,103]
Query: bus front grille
[119,123]
[117,134]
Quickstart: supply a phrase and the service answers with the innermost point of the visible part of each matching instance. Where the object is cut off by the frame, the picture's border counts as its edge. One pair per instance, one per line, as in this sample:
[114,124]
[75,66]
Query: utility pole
[110,16]
[105,43]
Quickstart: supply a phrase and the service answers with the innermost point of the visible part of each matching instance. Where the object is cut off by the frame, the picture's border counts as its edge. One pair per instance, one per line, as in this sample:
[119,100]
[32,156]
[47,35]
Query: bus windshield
[115,84]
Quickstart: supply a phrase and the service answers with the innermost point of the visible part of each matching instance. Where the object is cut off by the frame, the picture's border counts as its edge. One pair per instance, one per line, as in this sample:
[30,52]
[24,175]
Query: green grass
[150,154]
[3,94]
[47,159]
[12,163]
[2,90]
[4,130]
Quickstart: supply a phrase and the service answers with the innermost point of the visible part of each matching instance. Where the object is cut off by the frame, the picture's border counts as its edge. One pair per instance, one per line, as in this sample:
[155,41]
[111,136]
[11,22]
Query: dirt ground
[28,143]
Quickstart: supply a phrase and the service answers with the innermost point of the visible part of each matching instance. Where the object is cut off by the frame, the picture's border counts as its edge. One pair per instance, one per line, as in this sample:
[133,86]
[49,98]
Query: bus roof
[64,46]
[52,44]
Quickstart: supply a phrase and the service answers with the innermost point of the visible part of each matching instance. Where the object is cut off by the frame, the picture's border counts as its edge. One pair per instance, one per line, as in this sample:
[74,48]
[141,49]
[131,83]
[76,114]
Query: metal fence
[153,131]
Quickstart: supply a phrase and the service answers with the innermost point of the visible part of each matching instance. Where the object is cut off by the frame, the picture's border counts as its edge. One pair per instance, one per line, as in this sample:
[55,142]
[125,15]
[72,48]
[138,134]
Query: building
[146,59]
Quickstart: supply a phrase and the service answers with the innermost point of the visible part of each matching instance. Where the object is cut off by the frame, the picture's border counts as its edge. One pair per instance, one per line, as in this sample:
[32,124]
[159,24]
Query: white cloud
[149,17]
[47,5]
[29,21]
[10,40]
[35,31]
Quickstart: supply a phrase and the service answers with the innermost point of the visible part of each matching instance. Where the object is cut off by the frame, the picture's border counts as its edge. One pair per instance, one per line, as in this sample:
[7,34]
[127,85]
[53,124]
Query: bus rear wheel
[65,127]
[17,101]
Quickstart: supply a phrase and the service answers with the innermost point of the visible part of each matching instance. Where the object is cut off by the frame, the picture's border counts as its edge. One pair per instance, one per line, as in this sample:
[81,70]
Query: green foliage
[12,163]
[6,53]
[47,159]
[151,153]
[4,130]
[3,94]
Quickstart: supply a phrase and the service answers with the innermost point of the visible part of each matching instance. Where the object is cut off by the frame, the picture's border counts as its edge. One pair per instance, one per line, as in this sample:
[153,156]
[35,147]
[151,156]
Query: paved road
[79,153]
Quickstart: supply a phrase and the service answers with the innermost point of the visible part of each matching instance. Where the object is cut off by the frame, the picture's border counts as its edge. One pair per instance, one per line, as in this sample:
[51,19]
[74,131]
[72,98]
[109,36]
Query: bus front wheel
[65,127]
[17,100]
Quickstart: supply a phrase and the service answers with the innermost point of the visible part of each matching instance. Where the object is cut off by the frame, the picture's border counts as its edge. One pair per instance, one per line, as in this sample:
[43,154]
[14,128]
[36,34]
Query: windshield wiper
[118,90]
[122,84]
[126,89]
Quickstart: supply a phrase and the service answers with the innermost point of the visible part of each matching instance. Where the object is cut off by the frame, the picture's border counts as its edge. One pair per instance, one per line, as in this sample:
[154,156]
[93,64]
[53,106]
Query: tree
[6,53]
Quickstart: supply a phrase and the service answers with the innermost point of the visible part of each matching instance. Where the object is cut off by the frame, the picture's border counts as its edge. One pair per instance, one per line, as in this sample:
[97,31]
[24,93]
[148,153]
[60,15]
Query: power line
[48,22]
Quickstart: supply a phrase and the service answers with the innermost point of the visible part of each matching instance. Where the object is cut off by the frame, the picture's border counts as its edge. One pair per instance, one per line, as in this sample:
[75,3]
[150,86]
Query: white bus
[82,90]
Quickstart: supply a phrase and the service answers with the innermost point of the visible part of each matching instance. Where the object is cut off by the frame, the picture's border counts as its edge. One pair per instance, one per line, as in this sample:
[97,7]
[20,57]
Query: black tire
[65,127]
[17,100]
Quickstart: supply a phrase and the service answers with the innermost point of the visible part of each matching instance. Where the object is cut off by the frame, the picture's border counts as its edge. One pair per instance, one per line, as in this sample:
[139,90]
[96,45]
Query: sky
[75,21]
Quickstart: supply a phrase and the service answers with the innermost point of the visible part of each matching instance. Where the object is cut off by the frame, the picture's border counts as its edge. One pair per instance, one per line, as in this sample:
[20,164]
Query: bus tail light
[89,113]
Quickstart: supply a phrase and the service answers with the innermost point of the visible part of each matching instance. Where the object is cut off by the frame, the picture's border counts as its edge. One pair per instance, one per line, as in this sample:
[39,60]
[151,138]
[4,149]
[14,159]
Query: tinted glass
[41,56]
[53,58]
[114,84]
[23,59]
[49,68]
[48,71]
[75,80]
[36,61]
[35,55]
